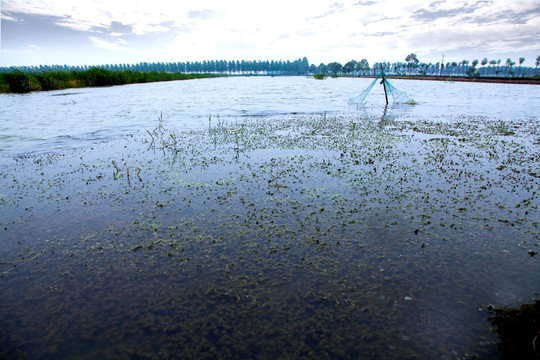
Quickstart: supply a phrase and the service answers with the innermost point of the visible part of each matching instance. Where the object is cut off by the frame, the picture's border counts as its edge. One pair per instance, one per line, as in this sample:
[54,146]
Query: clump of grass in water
[168,139]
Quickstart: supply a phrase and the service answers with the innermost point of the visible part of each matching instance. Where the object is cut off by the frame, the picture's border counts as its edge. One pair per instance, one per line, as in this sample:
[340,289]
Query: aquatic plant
[353,125]
[116,170]
[168,139]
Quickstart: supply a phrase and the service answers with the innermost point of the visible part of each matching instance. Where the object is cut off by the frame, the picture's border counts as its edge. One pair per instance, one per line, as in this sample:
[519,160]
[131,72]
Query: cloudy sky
[91,32]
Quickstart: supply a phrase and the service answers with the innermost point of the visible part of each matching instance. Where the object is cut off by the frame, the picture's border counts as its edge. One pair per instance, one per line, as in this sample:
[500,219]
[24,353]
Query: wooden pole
[384,86]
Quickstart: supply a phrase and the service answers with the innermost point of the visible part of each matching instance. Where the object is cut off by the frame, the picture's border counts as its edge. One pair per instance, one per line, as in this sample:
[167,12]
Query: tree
[521,61]
[362,66]
[302,66]
[472,71]
[492,63]
[454,66]
[537,63]
[334,68]
[412,61]
[509,64]
[463,64]
[350,66]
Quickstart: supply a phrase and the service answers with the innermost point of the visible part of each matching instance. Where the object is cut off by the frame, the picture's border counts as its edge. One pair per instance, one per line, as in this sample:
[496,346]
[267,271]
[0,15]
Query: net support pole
[384,87]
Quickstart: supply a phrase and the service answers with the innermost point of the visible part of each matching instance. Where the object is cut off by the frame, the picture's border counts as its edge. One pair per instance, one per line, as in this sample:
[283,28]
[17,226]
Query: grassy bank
[23,82]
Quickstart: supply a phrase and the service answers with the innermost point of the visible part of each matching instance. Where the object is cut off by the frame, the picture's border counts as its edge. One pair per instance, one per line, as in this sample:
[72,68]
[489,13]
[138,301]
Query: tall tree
[521,61]
[305,65]
[322,69]
[509,64]
[472,70]
[350,66]
[463,64]
[537,63]
[412,61]
[335,68]
[363,66]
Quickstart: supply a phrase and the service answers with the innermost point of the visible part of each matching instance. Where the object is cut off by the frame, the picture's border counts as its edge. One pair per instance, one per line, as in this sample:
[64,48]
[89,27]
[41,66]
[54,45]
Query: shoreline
[19,82]
[483,79]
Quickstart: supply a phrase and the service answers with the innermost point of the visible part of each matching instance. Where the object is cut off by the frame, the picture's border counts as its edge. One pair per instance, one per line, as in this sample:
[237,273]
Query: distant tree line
[297,67]
[411,66]
[475,68]
[53,77]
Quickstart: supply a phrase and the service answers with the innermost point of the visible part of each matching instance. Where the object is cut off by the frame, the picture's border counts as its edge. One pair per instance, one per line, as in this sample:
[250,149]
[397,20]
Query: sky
[94,32]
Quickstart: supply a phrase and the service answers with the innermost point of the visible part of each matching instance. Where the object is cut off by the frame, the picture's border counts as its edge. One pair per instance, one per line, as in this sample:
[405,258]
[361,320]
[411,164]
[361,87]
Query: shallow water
[309,236]
[49,121]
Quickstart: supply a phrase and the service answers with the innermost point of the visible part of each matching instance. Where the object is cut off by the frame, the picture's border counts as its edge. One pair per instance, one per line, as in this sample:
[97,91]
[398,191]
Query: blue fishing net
[398,96]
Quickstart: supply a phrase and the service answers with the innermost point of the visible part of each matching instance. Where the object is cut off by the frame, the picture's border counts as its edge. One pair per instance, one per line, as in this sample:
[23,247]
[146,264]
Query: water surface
[289,226]
[47,121]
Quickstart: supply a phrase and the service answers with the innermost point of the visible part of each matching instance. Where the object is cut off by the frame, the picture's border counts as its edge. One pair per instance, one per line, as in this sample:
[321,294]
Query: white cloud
[322,30]
[116,45]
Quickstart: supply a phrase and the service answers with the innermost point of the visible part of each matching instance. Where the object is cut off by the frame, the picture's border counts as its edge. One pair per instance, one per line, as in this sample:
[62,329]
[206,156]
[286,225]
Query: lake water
[289,226]
[48,121]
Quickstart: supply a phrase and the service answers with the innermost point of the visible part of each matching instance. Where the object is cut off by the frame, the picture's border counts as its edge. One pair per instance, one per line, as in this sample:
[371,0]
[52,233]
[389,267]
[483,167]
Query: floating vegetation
[306,237]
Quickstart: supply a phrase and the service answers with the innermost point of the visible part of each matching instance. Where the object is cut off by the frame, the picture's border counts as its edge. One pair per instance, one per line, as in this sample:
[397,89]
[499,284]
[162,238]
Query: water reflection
[386,117]
[388,112]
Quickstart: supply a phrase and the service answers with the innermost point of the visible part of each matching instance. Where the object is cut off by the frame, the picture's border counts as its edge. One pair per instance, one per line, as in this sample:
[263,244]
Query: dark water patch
[66,94]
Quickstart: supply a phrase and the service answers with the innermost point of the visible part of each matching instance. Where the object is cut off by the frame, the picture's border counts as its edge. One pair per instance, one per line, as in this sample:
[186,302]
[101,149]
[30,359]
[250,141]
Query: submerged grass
[323,236]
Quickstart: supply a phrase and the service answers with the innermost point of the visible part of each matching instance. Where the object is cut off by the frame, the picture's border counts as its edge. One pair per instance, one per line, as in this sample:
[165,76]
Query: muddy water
[345,235]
